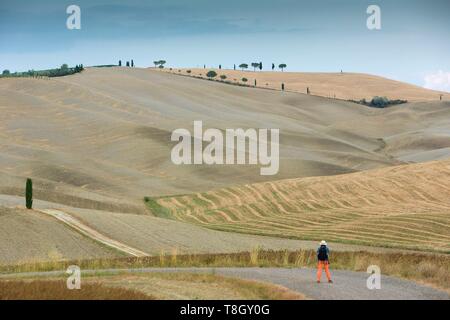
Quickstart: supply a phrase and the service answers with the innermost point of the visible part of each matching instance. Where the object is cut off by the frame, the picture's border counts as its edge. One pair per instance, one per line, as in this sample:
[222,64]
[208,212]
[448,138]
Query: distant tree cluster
[259,65]
[64,70]
[380,102]
[159,63]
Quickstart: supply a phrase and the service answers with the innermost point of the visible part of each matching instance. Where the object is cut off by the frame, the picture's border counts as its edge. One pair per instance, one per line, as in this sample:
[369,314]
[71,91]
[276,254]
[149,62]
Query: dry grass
[198,286]
[405,207]
[127,286]
[431,269]
[57,290]
[353,86]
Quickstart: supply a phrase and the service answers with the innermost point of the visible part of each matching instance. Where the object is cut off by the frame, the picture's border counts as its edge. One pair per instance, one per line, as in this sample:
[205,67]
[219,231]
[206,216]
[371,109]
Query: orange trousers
[319,270]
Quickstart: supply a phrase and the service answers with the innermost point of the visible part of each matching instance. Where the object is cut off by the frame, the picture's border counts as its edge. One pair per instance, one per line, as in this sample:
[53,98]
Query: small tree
[220,66]
[156,63]
[162,63]
[29,194]
[6,72]
[255,65]
[243,66]
[211,74]
[282,66]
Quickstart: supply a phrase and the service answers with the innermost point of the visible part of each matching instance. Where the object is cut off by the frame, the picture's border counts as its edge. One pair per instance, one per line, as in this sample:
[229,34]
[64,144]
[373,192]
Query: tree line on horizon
[64,70]
[259,65]
[127,63]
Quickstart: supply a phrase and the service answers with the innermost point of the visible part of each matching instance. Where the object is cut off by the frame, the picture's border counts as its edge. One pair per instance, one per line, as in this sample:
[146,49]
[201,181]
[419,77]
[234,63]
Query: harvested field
[404,206]
[118,147]
[28,236]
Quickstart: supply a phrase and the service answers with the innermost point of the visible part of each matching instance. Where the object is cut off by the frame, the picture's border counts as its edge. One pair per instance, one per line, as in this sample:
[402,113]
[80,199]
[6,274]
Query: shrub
[188,71]
[223,77]
[379,102]
[211,74]
[244,79]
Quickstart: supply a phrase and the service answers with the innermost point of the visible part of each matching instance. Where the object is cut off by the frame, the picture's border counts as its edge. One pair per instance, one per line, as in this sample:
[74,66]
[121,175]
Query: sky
[309,36]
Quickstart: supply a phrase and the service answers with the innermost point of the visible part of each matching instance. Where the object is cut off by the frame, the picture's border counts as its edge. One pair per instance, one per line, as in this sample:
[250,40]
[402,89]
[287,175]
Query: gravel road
[347,284]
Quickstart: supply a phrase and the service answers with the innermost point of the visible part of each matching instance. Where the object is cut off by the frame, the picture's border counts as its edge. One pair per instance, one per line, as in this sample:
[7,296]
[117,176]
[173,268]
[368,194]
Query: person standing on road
[323,254]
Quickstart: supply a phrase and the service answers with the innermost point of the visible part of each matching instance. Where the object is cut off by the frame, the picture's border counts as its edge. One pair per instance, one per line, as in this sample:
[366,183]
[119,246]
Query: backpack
[323,254]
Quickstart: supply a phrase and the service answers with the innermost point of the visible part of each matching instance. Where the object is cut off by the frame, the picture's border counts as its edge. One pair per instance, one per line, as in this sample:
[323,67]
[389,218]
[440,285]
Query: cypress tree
[29,194]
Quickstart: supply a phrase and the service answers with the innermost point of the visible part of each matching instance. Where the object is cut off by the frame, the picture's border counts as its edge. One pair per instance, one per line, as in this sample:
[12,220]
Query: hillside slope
[101,139]
[346,86]
[404,206]
[27,236]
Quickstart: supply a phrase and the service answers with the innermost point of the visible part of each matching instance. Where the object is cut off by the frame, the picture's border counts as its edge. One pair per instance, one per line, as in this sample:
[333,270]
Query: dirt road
[91,233]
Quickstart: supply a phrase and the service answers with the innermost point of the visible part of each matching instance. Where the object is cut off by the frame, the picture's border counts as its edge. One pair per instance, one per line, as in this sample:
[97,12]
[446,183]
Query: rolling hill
[346,86]
[101,139]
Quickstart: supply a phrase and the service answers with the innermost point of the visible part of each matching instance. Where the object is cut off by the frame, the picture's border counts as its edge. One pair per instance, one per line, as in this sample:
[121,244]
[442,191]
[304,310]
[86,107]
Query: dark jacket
[327,253]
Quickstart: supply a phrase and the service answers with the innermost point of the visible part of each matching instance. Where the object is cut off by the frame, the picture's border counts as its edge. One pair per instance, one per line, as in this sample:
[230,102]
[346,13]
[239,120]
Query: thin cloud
[438,81]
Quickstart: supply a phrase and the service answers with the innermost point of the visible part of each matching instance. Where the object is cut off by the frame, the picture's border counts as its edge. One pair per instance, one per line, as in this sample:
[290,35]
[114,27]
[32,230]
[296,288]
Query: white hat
[323,243]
